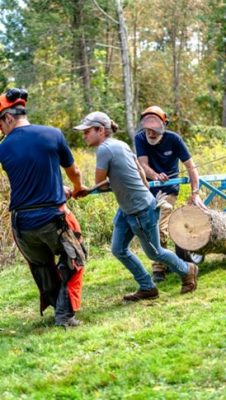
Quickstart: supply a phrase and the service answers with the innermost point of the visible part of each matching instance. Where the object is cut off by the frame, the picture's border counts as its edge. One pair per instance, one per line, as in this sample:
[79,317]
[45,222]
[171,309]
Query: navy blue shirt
[31,156]
[164,156]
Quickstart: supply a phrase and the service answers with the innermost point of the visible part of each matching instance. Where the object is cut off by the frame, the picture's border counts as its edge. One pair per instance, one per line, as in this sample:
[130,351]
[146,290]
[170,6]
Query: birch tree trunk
[224,101]
[127,74]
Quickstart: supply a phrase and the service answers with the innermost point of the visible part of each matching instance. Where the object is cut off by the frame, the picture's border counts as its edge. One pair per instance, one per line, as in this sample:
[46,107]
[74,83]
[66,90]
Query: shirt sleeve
[66,157]
[141,147]
[182,150]
[104,157]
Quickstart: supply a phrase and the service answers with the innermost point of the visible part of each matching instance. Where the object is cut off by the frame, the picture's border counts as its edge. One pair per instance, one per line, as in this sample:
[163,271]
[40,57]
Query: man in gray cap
[137,214]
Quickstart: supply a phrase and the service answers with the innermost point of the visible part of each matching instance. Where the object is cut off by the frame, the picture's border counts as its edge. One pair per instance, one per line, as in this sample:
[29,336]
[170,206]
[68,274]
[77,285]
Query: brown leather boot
[189,281]
[142,295]
[159,276]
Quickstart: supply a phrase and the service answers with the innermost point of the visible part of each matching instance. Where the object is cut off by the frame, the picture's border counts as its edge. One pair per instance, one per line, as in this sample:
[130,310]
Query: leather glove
[161,201]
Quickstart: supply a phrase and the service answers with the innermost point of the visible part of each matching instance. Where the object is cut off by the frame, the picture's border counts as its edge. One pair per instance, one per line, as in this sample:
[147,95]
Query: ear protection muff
[12,98]
[15,93]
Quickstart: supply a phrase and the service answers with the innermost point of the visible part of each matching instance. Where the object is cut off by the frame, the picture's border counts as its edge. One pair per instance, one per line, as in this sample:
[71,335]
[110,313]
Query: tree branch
[104,13]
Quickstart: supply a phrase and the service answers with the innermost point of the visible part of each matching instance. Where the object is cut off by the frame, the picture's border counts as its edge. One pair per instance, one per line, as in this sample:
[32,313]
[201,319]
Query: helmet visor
[154,123]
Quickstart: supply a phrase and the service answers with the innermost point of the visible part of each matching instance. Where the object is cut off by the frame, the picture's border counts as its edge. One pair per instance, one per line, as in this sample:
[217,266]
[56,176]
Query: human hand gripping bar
[94,189]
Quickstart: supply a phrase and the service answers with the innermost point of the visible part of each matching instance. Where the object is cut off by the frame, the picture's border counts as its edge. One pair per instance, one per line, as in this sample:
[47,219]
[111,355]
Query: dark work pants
[39,246]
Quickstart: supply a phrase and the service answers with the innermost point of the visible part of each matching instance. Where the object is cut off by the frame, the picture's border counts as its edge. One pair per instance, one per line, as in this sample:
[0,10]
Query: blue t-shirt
[164,156]
[31,156]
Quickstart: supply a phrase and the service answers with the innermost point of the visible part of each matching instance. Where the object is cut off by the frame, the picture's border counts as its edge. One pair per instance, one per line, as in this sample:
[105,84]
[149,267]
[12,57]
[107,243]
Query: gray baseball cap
[96,118]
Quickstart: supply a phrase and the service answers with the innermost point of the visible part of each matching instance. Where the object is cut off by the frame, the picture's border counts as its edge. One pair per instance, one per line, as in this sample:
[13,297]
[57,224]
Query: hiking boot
[189,281]
[142,295]
[159,276]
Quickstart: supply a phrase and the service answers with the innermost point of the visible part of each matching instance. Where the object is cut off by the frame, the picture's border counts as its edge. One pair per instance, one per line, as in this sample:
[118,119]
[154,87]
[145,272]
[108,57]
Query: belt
[29,208]
[35,206]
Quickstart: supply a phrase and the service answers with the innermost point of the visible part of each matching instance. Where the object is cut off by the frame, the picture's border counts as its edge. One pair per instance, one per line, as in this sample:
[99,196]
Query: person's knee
[118,252]
[160,255]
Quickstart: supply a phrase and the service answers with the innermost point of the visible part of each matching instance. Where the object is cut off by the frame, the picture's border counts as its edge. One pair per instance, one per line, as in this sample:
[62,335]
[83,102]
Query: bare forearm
[150,173]
[74,175]
[194,182]
[194,179]
[193,175]
[142,173]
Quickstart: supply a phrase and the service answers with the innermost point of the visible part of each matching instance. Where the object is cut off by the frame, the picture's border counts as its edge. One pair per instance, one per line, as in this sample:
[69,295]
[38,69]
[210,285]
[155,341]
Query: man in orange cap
[32,156]
[159,152]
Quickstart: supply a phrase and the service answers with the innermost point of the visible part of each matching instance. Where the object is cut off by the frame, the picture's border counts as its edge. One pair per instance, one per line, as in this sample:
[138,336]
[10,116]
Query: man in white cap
[159,152]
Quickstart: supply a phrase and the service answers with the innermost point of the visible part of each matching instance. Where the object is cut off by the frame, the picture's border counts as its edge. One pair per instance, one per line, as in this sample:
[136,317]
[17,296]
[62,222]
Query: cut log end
[190,228]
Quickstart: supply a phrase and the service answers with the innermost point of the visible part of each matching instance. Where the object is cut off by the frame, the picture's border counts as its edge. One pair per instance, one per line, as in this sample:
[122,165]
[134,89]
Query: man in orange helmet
[32,156]
[159,151]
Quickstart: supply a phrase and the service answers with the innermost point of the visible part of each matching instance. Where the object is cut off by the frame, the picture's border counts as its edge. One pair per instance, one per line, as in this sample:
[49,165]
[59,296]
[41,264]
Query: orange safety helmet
[156,111]
[12,98]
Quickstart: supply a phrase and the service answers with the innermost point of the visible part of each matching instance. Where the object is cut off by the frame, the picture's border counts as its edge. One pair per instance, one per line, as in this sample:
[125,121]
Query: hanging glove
[161,201]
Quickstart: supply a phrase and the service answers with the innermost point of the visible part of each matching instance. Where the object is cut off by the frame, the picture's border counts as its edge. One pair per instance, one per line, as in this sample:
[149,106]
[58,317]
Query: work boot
[73,322]
[159,276]
[142,295]
[189,281]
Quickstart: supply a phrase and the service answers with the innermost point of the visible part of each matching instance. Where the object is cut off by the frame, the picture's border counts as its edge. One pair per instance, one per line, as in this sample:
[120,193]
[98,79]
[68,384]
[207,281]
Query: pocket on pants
[118,218]
[148,218]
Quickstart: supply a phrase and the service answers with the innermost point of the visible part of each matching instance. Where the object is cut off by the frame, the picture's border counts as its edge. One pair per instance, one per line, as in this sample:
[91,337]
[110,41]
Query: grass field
[170,348]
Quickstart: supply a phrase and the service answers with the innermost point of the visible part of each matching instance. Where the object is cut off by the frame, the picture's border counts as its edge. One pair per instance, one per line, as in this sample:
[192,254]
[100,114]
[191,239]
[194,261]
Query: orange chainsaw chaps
[74,285]
[70,219]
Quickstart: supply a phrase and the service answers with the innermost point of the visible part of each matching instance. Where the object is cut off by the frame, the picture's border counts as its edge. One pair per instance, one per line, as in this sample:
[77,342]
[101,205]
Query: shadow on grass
[210,266]
[18,329]
[103,301]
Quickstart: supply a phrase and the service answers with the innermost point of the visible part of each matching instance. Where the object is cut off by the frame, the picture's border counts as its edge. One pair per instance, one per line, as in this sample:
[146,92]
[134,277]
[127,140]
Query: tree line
[116,56]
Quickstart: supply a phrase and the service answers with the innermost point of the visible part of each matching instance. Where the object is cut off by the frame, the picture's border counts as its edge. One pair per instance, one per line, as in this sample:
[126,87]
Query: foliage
[207,146]
[7,244]
[95,214]
[67,54]
[203,135]
[171,348]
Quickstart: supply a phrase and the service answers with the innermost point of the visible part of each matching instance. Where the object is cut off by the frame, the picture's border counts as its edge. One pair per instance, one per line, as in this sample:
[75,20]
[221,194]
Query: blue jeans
[144,225]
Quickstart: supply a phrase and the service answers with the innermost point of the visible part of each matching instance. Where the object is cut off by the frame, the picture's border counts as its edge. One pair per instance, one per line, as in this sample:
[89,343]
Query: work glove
[161,201]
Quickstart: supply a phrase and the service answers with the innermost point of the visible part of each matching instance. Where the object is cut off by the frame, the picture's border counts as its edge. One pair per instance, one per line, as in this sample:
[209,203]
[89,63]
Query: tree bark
[127,74]
[194,229]
[224,102]
[79,52]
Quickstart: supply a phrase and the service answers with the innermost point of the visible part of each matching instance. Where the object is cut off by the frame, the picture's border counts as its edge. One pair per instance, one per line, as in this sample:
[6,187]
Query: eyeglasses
[159,131]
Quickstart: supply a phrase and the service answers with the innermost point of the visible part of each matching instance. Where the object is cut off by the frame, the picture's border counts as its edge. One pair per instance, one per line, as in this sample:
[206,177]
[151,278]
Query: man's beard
[153,142]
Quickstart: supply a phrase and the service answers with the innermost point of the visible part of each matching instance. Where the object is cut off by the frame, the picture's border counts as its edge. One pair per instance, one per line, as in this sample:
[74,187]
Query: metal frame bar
[203,180]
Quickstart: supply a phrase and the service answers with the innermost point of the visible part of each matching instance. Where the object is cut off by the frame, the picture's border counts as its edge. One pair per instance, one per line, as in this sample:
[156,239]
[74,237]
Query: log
[194,229]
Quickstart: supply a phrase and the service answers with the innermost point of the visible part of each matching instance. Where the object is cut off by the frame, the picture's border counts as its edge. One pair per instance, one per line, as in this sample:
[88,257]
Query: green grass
[171,348]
